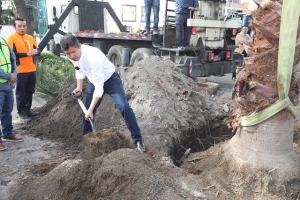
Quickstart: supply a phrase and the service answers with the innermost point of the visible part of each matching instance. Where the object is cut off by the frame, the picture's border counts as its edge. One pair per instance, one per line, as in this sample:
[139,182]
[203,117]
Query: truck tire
[114,55]
[53,47]
[140,54]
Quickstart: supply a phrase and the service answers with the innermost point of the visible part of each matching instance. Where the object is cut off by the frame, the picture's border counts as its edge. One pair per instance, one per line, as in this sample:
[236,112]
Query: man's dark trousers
[24,90]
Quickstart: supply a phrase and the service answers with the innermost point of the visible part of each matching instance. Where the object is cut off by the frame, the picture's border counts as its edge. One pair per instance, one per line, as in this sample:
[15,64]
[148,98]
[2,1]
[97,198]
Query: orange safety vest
[22,44]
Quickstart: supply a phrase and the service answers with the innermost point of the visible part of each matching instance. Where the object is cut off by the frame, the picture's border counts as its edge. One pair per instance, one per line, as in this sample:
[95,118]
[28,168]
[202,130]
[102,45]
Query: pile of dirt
[61,118]
[168,106]
[122,174]
[106,169]
[245,184]
[173,111]
[104,142]
[174,114]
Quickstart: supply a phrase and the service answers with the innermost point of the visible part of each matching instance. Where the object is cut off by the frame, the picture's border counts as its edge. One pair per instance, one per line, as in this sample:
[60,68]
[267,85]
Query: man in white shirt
[90,62]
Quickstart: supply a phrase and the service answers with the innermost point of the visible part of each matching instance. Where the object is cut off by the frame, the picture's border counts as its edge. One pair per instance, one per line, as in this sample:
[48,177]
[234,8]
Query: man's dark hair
[18,19]
[68,41]
[0,27]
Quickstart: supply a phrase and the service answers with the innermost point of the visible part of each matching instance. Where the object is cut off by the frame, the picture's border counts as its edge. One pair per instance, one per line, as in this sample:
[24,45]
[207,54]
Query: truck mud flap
[219,68]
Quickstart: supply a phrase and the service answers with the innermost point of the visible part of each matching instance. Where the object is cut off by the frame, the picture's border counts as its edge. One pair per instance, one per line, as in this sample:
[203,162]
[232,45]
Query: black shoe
[24,116]
[31,113]
[140,146]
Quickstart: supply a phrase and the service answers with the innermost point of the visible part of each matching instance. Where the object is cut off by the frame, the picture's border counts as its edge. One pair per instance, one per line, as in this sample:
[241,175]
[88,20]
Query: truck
[208,53]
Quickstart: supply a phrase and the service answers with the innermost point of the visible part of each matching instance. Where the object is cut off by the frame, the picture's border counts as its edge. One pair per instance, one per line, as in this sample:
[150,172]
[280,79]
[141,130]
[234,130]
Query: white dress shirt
[95,66]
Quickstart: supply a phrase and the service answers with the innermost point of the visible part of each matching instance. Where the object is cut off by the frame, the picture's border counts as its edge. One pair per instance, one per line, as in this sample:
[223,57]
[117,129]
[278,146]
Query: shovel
[84,109]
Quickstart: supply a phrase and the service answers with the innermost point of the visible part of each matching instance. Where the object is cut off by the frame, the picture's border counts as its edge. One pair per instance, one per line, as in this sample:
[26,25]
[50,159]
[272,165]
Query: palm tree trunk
[268,145]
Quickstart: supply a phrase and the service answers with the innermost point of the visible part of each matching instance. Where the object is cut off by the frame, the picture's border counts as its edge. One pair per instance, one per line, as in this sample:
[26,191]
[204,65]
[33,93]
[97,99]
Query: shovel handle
[84,111]
[82,106]
[92,125]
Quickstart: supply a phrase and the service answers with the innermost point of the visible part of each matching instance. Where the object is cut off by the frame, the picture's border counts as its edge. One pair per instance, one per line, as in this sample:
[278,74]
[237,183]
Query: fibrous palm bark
[267,145]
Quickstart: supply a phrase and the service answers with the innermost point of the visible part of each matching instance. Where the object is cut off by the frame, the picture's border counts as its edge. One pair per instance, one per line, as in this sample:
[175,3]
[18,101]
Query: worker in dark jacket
[8,78]
[182,10]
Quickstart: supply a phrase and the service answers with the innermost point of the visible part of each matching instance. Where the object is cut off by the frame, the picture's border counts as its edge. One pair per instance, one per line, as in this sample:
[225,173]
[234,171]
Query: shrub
[53,73]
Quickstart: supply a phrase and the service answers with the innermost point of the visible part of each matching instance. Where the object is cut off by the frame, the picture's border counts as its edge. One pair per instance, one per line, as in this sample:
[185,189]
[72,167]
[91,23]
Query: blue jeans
[24,90]
[6,108]
[155,5]
[114,88]
[181,25]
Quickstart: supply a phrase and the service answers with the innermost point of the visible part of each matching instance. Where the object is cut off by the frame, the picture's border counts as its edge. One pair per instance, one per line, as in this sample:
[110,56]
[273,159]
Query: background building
[232,6]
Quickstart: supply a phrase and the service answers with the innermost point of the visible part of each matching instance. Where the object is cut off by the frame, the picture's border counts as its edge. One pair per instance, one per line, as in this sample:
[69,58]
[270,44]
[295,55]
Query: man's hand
[89,114]
[193,8]
[13,79]
[77,93]
[32,52]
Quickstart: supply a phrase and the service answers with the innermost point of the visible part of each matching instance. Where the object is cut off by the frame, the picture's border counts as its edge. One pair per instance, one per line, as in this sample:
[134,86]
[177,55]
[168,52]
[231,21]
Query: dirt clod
[104,142]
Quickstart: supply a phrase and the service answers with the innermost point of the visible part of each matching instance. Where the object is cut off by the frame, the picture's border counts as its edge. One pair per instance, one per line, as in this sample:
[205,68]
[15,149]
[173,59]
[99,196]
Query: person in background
[243,41]
[182,10]
[25,48]
[8,78]
[155,4]
[90,62]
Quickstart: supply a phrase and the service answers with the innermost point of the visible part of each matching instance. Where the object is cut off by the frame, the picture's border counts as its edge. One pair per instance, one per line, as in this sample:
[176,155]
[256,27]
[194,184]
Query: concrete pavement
[19,156]
[36,103]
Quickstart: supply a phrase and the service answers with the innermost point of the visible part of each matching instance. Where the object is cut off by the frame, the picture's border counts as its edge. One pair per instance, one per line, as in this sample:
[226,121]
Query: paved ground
[12,165]
[225,82]
[37,102]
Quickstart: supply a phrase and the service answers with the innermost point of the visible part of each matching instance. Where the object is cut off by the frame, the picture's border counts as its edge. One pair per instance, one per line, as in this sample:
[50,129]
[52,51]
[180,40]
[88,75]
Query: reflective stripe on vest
[5,63]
